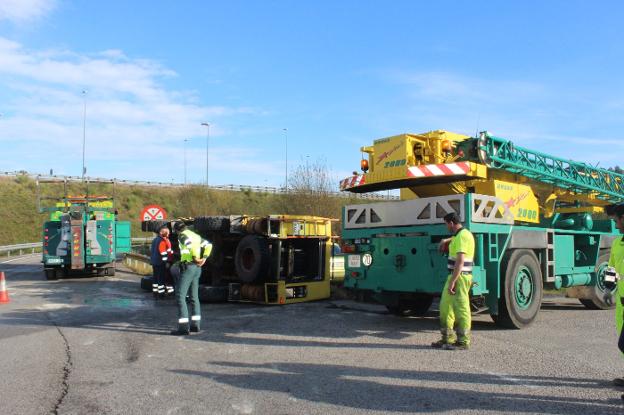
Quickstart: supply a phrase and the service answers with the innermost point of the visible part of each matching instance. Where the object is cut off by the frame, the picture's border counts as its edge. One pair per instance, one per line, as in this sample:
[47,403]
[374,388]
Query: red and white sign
[153,212]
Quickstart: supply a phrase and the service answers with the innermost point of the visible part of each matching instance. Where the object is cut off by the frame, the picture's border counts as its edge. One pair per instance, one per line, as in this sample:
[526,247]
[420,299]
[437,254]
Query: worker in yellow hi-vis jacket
[193,254]
[616,268]
[455,301]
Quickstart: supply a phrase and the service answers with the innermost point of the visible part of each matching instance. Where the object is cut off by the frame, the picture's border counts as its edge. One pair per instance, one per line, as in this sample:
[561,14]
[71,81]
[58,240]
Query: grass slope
[21,222]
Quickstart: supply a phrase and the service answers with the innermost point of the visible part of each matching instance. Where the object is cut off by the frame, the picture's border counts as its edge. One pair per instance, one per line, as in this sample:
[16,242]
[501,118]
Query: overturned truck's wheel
[252,258]
[593,296]
[411,307]
[210,294]
[522,290]
[146,283]
[215,261]
[152,225]
[212,224]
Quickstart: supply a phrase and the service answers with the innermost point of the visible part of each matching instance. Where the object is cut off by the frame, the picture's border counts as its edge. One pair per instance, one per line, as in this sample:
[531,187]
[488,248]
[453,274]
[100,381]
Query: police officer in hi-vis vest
[193,253]
[455,301]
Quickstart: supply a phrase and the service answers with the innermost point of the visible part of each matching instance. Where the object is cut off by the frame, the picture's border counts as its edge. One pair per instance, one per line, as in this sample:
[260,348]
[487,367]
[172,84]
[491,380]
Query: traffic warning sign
[153,212]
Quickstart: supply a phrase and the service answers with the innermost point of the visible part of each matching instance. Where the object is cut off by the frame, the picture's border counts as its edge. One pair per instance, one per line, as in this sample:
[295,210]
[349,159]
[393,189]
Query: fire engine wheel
[50,274]
[594,295]
[521,296]
[413,307]
[252,258]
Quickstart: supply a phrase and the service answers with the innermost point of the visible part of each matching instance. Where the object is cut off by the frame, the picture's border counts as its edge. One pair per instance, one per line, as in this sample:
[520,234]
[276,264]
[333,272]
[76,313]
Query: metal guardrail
[226,187]
[32,246]
[20,248]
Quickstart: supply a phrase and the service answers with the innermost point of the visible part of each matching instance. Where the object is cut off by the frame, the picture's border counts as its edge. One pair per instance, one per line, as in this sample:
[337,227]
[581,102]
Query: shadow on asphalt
[338,386]
[120,305]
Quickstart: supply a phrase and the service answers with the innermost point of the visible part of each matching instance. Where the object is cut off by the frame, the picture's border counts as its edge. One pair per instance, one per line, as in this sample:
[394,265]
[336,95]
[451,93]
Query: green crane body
[392,247]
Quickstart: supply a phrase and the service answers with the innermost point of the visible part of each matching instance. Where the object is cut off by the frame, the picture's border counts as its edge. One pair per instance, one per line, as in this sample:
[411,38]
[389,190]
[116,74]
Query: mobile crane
[537,221]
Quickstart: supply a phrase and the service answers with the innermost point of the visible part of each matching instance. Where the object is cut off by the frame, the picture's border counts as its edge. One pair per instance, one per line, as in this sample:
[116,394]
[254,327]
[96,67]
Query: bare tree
[310,191]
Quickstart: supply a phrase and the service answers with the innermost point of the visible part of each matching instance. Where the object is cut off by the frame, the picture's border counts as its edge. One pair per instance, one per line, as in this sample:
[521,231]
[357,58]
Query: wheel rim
[600,283]
[248,258]
[524,287]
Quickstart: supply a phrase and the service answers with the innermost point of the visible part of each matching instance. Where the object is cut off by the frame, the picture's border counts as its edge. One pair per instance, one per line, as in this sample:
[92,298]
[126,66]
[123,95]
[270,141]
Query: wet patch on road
[117,302]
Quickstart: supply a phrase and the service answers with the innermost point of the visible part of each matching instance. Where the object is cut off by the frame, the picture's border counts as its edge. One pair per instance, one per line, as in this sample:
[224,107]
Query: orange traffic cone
[4,294]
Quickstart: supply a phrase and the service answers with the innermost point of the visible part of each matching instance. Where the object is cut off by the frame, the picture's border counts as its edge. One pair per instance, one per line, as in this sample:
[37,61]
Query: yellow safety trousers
[619,310]
[619,314]
[455,310]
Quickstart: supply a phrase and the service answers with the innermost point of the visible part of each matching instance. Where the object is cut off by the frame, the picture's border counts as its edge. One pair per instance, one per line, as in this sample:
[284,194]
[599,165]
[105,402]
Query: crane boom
[577,177]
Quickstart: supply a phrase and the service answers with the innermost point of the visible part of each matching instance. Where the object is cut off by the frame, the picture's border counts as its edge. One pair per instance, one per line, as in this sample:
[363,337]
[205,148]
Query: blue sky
[337,75]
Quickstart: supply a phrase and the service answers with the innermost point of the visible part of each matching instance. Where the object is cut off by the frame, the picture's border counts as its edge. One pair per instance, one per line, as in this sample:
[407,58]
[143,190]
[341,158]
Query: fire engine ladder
[575,177]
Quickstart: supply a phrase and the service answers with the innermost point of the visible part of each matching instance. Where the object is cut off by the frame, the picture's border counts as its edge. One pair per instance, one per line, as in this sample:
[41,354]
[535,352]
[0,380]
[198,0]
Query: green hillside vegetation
[311,196]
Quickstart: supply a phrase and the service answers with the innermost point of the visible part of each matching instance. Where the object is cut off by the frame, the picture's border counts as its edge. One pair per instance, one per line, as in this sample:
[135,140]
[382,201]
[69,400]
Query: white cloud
[22,11]
[132,118]
[451,88]
[543,116]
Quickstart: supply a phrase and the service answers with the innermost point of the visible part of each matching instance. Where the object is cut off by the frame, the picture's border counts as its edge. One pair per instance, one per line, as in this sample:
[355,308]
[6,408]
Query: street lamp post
[207,141]
[84,130]
[286,140]
[185,140]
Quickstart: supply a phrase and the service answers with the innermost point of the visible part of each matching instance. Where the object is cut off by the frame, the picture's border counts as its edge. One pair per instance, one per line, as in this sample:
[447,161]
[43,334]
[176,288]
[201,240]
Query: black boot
[618,382]
[183,330]
[195,321]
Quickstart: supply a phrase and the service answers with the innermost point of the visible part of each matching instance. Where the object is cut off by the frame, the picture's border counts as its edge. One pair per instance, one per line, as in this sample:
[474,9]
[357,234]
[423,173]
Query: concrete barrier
[140,264]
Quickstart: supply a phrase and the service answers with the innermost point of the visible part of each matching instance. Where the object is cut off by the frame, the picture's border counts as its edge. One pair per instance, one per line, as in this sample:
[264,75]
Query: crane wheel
[594,295]
[521,291]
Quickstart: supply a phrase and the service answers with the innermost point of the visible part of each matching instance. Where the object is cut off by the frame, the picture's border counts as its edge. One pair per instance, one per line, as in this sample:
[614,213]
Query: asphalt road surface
[101,345]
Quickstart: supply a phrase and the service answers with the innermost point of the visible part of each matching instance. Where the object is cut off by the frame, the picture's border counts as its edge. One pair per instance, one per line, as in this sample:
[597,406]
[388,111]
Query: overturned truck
[275,259]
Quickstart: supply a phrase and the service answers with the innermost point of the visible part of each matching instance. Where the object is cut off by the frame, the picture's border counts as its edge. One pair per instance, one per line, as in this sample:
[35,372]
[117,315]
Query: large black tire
[594,295]
[50,274]
[252,258]
[522,290]
[216,260]
[105,271]
[204,224]
[210,294]
[152,225]
[412,307]
[146,283]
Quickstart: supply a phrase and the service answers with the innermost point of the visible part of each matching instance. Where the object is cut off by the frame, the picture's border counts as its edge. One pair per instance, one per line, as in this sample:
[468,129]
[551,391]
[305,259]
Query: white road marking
[21,257]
